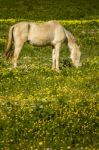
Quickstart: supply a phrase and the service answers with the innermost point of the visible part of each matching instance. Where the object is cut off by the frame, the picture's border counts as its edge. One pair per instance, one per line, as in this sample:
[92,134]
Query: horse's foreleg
[53,59]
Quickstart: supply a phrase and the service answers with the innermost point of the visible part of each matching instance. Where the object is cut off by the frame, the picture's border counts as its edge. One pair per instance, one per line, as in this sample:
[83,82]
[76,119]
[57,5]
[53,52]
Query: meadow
[41,109]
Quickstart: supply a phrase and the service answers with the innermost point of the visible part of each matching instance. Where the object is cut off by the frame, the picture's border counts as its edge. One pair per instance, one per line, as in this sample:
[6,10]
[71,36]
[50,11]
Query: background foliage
[49,9]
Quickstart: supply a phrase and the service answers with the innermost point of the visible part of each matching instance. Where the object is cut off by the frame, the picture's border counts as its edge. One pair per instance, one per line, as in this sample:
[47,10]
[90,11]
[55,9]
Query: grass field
[41,109]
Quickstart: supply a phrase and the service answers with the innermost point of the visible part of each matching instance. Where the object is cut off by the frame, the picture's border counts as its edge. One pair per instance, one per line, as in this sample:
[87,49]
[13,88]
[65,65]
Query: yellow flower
[40,143]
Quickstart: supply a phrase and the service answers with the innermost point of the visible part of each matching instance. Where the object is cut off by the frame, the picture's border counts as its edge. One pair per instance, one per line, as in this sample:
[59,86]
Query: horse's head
[75,56]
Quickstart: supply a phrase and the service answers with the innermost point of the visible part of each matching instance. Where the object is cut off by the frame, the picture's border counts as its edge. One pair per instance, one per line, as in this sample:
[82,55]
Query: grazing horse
[48,33]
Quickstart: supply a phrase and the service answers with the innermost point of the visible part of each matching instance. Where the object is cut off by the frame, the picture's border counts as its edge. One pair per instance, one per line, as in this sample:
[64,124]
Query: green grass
[41,109]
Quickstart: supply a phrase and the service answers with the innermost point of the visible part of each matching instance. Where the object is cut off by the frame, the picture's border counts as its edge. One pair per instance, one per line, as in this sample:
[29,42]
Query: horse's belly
[39,40]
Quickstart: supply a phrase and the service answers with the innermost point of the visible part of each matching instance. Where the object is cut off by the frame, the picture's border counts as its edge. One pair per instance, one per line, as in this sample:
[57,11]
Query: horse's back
[49,26]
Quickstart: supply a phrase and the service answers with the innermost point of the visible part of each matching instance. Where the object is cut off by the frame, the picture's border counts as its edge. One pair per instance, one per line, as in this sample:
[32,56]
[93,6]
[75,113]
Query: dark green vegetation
[49,9]
[41,109]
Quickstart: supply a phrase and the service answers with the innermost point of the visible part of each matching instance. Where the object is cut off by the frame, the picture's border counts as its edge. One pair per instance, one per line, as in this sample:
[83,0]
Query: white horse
[48,33]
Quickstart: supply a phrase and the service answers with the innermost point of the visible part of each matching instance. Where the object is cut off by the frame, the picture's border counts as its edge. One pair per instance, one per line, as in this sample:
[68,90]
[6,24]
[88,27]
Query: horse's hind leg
[57,47]
[18,47]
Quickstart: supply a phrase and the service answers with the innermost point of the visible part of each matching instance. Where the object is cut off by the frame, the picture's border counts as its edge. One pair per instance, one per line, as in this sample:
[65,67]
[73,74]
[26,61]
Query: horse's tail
[8,52]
